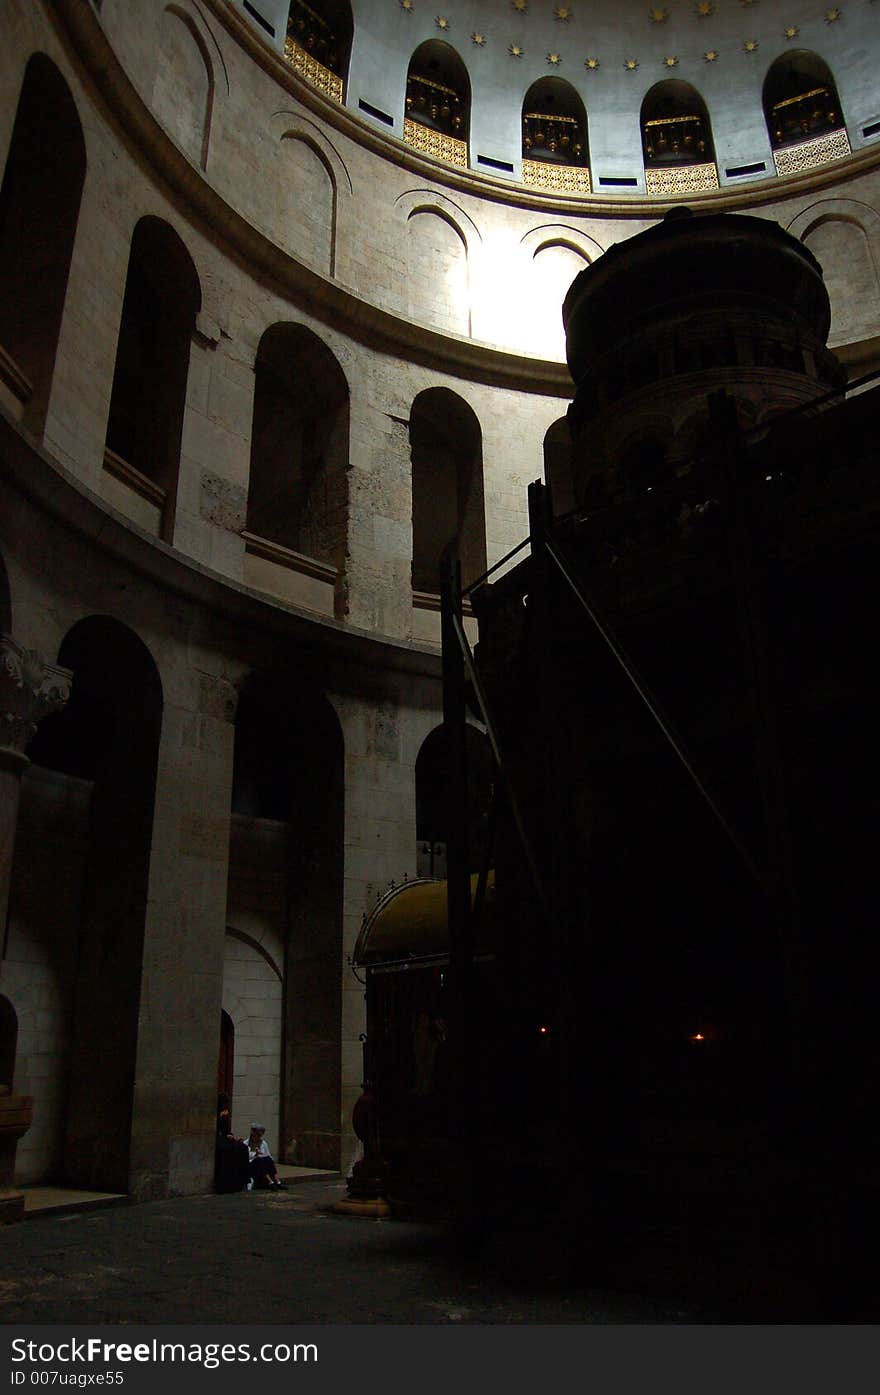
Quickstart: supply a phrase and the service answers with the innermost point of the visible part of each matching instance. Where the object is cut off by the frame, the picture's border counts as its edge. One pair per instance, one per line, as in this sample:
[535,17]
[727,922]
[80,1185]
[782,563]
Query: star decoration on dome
[407,5]
[554,58]
[705,8]
[792,31]
[591,64]
[710,56]
[832,15]
[747,3]
[515,50]
[750,46]
[563,12]
[519,5]
[442,22]
[631,64]
[670,61]
[478,39]
[658,16]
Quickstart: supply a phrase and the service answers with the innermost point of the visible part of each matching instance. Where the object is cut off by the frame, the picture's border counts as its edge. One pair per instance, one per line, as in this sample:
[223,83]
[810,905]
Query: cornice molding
[28,469]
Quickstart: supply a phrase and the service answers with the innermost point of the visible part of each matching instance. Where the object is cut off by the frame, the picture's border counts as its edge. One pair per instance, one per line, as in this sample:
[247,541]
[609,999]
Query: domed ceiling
[609,54]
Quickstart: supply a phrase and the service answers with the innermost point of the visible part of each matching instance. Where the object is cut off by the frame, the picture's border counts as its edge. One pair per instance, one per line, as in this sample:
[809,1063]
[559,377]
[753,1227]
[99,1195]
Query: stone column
[30,688]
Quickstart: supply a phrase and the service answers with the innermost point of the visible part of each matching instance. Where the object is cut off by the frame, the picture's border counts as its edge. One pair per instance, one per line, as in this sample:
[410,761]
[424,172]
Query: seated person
[262,1165]
[231,1164]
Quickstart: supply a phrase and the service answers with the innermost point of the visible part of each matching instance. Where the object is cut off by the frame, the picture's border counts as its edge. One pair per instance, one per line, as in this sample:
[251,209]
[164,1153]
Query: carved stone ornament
[30,688]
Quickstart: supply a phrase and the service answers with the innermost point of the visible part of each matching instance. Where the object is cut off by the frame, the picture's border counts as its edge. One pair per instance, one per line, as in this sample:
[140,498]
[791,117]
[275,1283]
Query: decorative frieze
[556,179]
[811,153]
[30,688]
[435,143]
[681,179]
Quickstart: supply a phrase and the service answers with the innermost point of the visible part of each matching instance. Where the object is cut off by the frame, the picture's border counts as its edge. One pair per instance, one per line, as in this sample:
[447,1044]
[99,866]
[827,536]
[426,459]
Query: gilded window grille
[676,141]
[556,179]
[797,119]
[811,153]
[435,143]
[681,179]
[307,66]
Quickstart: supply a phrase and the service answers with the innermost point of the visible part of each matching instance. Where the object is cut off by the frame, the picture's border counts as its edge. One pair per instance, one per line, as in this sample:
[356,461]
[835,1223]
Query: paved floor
[281,1258]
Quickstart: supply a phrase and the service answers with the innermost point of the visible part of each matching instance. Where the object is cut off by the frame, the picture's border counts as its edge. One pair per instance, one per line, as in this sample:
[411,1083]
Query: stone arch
[433,815]
[440,240]
[308,202]
[299,471]
[446,444]
[39,211]
[162,298]
[554,124]
[800,99]
[438,90]
[78,906]
[285,890]
[675,126]
[559,254]
[844,236]
[184,86]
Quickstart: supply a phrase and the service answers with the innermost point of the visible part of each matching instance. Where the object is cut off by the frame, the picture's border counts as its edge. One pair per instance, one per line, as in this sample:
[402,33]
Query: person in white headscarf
[263,1173]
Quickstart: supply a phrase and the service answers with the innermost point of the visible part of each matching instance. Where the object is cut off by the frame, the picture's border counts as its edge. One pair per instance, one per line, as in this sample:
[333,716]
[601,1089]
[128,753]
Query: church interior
[504,804]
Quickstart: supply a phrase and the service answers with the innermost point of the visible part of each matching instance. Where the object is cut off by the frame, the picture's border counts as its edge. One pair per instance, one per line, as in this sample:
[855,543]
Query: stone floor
[282,1258]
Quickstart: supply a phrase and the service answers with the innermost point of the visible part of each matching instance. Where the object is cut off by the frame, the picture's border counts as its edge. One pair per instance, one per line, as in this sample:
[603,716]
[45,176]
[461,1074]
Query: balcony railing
[811,153]
[556,179]
[314,72]
[435,143]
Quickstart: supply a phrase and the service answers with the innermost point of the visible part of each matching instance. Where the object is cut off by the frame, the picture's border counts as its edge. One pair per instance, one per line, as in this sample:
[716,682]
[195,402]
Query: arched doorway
[438,103]
[677,144]
[803,113]
[555,146]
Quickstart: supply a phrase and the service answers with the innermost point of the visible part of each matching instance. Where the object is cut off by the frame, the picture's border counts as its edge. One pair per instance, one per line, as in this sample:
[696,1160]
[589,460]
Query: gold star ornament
[478,39]
[705,8]
[658,16]
[407,5]
[442,22]
[792,31]
[831,16]
[591,64]
[631,64]
[515,51]
[710,56]
[751,46]
[519,5]
[670,62]
[563,12]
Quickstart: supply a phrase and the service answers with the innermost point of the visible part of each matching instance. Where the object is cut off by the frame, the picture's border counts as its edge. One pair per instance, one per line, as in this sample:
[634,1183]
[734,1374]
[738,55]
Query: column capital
[30,688]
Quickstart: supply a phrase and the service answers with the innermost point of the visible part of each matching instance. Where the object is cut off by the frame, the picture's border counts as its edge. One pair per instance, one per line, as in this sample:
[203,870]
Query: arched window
[39,208]
[438,103]
[89,920]
[433,814]
[555,150]
[287,839]
[298,492]
[318,43]
[447,487]
[145,424]
[802,111]
[677,140]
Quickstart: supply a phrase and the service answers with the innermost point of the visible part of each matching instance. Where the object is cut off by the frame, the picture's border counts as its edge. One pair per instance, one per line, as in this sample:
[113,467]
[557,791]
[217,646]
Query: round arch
[675,126]
[446,443]
[554,124]
[438,90]
[800,99]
